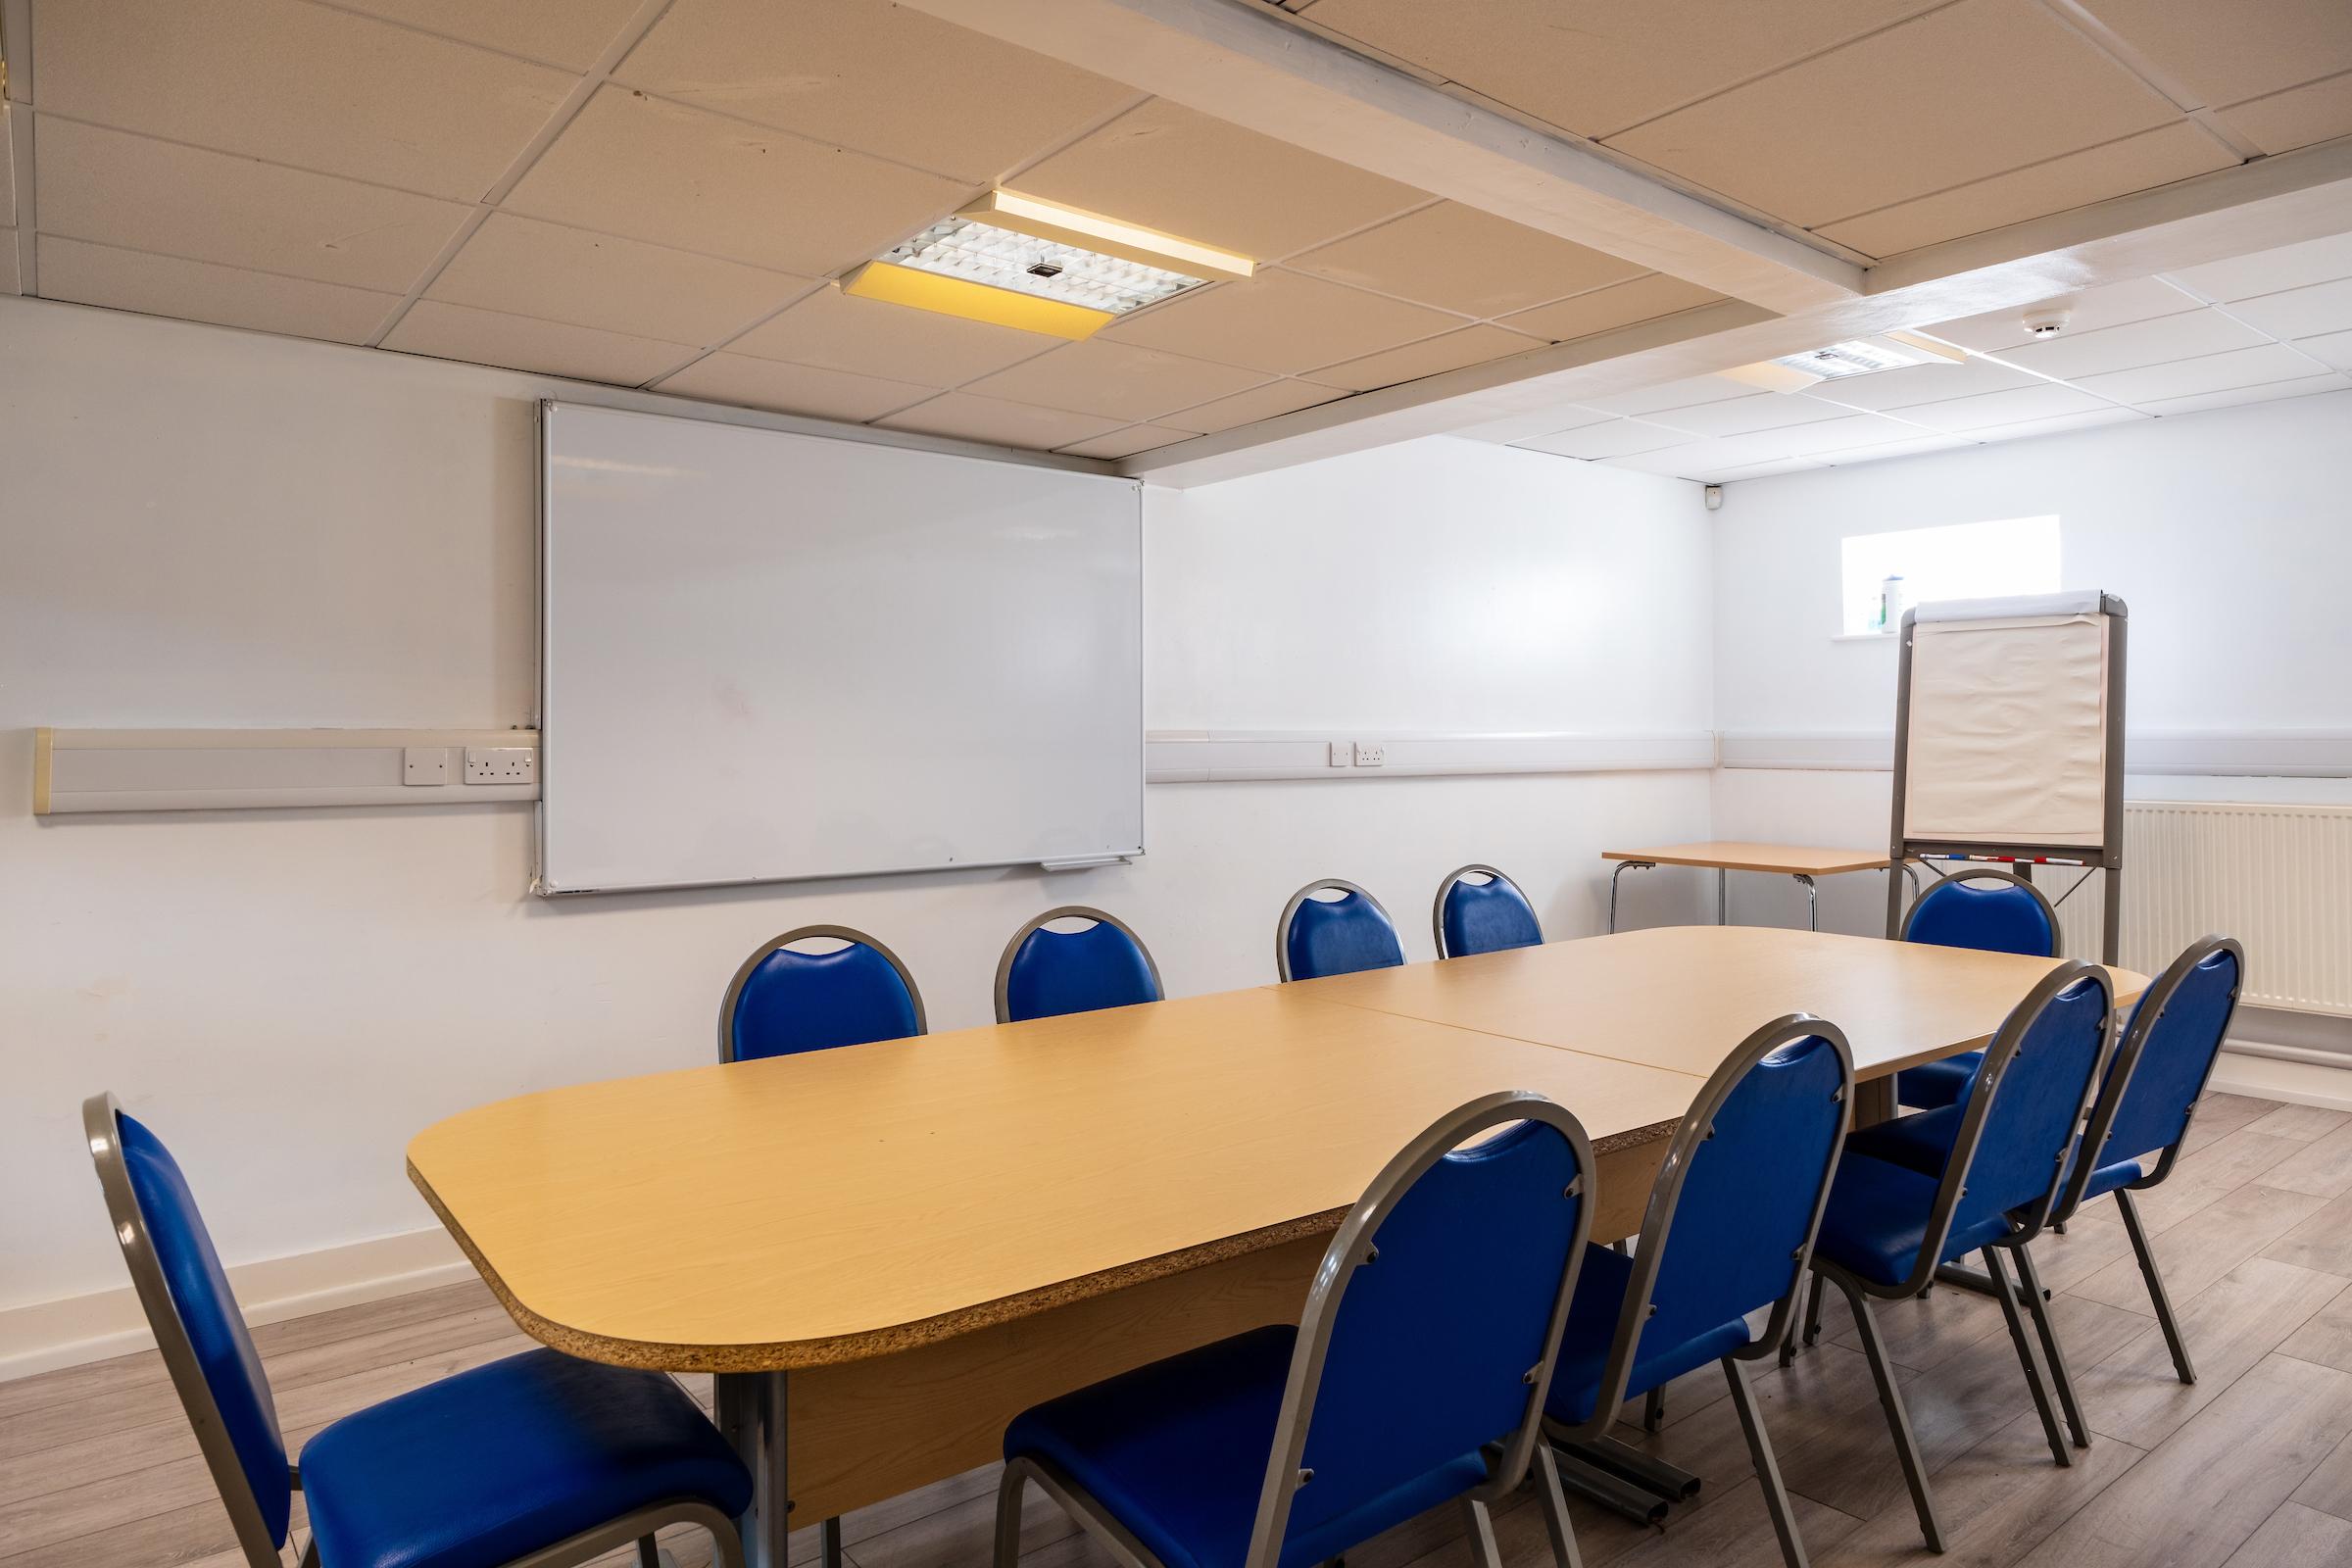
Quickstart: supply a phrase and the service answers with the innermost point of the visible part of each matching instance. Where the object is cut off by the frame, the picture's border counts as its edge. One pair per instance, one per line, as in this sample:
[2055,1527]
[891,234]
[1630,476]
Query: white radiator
[2279,879]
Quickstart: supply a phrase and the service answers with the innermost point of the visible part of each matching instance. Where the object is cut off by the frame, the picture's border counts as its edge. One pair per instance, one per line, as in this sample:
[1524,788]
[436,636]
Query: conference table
[887,1252]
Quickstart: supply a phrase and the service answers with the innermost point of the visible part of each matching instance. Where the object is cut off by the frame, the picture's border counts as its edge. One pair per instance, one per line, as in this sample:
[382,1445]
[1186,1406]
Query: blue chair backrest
[2178,1055]
[2038,1102]
[1431,1342]
[1757,1173]
[1992,914]
[785,1001]
[224,1352]
[1046,973]
[1337,936]
[1484,916]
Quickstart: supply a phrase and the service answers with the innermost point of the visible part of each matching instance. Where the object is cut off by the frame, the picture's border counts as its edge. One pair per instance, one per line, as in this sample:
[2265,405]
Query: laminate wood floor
[2250,1466]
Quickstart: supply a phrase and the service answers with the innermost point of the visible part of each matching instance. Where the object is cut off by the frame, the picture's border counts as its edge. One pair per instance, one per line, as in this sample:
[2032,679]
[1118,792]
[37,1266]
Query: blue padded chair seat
[1177,1451]
[483,1467]
[1924,1142]
[1877,1220]
[1593,1323]
[1933,1085]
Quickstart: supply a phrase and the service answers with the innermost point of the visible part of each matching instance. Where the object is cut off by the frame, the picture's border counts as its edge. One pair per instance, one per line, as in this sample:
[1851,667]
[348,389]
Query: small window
[1886,574]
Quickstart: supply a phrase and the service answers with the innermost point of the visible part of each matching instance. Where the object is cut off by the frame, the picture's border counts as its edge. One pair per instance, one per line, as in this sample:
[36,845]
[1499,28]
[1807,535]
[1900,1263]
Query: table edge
[837,1349]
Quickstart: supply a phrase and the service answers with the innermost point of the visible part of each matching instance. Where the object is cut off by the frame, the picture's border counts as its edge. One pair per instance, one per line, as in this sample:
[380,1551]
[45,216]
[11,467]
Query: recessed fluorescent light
[1861,356]
[1023,263]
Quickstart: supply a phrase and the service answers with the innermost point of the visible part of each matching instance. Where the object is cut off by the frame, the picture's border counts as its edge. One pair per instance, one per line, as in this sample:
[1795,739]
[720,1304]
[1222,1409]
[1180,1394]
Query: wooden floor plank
[2296,1537]
[2323,1240]
[2304,1123]
[2203,1247]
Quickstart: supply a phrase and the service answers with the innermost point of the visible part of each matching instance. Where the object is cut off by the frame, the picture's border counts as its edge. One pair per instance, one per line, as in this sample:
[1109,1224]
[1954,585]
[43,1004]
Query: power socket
[1371,753]
[502,765]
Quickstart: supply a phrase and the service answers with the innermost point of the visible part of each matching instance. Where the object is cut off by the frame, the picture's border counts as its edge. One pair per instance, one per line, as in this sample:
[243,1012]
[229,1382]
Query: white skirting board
[2298,1083]
[43,1335]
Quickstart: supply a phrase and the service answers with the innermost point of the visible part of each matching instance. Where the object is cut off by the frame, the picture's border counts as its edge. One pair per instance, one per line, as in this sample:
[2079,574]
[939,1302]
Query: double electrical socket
[1358,753]
[427,767]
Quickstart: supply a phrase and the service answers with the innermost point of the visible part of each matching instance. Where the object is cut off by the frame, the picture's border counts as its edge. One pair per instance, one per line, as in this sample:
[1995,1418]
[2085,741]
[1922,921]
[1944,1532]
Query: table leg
[1623,866]
[1723,896]
[752,1409]
[1812,901]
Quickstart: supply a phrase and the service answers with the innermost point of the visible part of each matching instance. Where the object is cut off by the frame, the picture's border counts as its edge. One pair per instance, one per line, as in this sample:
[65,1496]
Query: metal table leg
[1623,866]
[752,1409]
[1812,901]
[1723,896]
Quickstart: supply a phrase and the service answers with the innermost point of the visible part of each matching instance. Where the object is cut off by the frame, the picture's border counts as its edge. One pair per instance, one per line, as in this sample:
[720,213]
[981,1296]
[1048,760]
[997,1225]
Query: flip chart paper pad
[2008,736]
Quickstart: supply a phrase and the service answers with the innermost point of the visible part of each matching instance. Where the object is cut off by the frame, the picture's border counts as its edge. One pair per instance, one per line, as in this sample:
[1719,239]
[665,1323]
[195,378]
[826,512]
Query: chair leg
[1768,1468]
[1554,1502]
[2006,1294]
[1482,1533]
[649,1553]
[1813,1313]
[1653,1409]
[1898,1420]
[2038,1303]
[2156,1294]
[1008,1515]
[828,1539]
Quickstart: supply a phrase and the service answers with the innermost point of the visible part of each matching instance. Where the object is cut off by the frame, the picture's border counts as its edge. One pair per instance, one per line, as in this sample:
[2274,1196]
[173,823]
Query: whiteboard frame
[542,603]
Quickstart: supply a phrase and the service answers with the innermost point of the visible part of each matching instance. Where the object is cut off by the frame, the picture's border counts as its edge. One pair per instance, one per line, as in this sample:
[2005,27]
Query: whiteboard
[2007,736]
[768,657]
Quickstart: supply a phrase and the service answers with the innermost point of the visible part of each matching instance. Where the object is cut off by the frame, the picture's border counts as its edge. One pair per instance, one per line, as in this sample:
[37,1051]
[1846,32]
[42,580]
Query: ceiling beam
[1233,60]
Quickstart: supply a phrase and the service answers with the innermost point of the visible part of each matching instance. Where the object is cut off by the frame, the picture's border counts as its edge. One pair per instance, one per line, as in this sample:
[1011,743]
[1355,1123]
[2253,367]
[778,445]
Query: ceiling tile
[882,78]
[1758,471]
[1451,351]
[661,171]
[1838,435]
[998,422]
[2087,311]
[1279,321]
[1247,408]
[2214,372]
[871,337]
[2084,421]
[2316,111]
[1973,89]
[1760,411]
[1989,408]
[2333,346]
[2316,261]
[1167,168]
[2138,162]
[1611,438]
[2305,311]
[2269,392]
[520,343]
[1603,309]
[298,84]
[147,195]
[1921,383]
[1116,380]
[1682,394]
[1673,463]
[199,291]
[1597,66]
[527,268]
[792,388]
[2072,354]
[571,34]
[2239,50]
[1126,443]
[1881,451]
[1460,259]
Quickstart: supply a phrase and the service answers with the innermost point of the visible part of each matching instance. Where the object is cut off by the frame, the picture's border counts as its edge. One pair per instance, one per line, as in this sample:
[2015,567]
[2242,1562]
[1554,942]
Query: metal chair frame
[743,974]
[1351,1248]
[2024,1225]
[1067,912]
[98,1120]
[1282,927]
[1436,910]
[1697,1126]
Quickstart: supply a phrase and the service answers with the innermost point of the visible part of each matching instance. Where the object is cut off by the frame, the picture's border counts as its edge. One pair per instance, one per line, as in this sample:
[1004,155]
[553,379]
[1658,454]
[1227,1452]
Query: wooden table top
[843,1203]
[1732,855]
[1682,997]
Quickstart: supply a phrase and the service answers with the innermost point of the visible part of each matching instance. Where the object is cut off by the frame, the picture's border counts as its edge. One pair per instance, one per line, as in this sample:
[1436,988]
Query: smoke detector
[2046,322]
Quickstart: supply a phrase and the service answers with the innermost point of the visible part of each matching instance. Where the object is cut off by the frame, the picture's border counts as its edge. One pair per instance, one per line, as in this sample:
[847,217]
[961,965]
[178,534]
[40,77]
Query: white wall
[2223,531]
[204,528]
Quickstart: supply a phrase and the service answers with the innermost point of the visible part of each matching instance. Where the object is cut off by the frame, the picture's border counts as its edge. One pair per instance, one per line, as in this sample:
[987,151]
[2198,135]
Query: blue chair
[785,999]
[1046,973]
[1342,934]
[1728,1232]
[1889,1226]
[537,1459]
[1992,911]
[1486,916]
[1414,1377]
